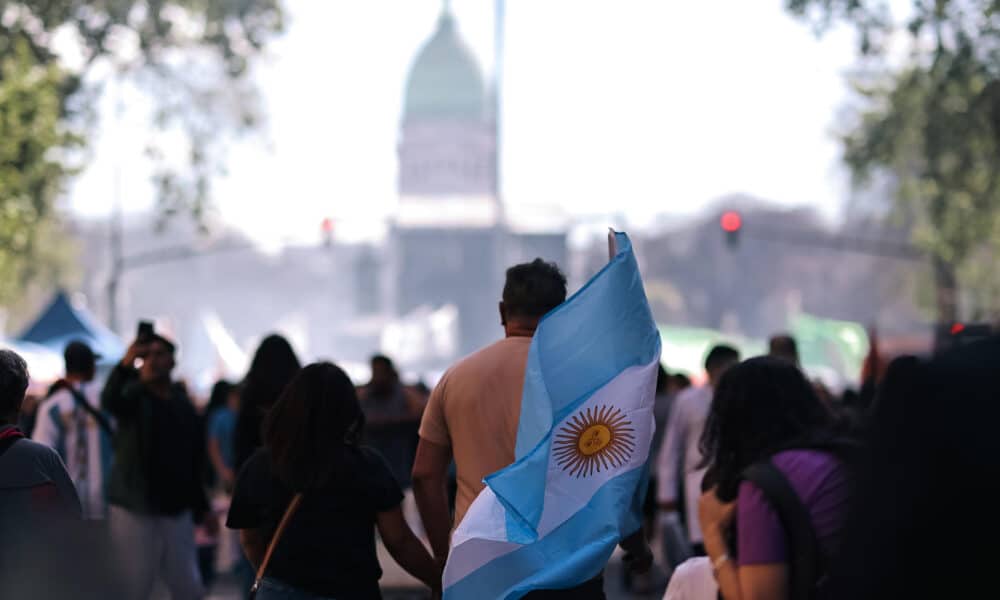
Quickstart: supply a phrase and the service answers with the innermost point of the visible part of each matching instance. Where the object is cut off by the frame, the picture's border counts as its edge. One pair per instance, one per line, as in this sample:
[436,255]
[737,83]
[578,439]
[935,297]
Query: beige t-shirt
[475,410]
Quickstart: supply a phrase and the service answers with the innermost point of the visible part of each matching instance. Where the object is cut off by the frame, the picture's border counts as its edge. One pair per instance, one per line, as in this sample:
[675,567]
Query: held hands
[212,525]
[436,590]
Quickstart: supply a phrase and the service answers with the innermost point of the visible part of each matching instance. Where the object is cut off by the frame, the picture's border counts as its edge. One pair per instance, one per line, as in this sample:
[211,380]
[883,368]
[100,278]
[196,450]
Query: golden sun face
[594,440]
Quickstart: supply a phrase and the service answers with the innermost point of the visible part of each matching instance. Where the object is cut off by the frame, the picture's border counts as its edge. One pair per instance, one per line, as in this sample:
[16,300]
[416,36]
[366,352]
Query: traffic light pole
[947,331]
[842,243]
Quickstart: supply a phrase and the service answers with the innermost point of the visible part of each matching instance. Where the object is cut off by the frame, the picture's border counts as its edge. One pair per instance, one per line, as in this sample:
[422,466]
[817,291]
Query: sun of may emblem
[597,439]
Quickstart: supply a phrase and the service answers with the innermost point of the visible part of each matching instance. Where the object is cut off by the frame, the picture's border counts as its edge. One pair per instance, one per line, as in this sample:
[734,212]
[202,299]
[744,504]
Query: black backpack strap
[100,417]
[805,558]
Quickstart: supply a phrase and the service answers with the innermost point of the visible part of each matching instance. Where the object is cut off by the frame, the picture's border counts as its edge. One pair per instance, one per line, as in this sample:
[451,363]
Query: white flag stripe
[471,550]
[632,392]
[473,554]
[486,519]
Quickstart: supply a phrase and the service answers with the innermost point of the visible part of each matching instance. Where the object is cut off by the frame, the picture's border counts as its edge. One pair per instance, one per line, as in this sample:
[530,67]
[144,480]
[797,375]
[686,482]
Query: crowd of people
[762,485]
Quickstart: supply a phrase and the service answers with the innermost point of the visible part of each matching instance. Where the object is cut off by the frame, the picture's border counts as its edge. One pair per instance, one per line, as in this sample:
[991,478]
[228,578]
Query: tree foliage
[186,60]
[189,58]
[932,125]
[30,172]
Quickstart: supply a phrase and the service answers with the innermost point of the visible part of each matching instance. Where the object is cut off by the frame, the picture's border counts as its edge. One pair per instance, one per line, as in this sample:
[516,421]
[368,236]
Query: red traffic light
[731,221]
[327,225]
[957,328]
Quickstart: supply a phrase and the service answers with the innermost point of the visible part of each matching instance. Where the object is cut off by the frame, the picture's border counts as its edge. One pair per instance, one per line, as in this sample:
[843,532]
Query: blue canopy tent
[62,323]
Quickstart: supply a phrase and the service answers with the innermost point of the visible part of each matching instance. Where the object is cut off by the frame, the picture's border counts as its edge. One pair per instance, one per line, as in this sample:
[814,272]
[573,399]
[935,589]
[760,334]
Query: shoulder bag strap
[292,507]
[803,551]
[101,419]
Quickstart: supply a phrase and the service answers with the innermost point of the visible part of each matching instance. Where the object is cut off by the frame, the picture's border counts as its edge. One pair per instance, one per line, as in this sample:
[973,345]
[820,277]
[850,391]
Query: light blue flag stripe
[574,552]
[579,347]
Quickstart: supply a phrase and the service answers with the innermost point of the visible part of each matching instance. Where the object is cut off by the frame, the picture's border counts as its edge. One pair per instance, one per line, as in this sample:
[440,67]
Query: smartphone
[145,331]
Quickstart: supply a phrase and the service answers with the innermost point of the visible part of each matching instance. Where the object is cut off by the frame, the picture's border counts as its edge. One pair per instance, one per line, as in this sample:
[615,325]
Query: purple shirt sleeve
[821,483]
[760,536]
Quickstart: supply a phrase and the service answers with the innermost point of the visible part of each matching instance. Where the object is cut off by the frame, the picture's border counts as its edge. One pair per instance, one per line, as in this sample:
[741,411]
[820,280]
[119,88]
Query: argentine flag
[552,519]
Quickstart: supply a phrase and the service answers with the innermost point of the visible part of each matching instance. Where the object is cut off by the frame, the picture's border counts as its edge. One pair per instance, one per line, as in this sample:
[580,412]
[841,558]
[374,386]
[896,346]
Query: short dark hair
[385,360]
[533,289]
[719,356]
[219,396]
[783,346]
[13,382]
[79,357]
[312,425]
[387,364]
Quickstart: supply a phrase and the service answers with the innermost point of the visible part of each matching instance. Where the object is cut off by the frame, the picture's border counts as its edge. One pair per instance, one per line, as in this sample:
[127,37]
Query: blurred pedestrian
[473,416]
[679,464]
[777,487]
[34,484]
[155,491]
[661,410]
[46,553]
[220,429]
[311,451]
[219,424]
[783,346]
[392,416]
[666,391]
[71,422]
[678,383]
[661,407]
[273,366]
[872,370]
[923,525]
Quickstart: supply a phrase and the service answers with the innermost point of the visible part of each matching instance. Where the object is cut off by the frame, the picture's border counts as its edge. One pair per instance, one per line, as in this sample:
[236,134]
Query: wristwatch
[718,562]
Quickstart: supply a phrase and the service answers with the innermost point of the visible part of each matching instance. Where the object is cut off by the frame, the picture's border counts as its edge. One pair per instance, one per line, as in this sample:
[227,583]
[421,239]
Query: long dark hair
[759,406]
[312,426]
[273,366]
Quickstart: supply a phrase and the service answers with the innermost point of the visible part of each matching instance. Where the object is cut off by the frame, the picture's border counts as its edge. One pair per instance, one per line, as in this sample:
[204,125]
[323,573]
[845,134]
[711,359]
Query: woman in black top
[328,549]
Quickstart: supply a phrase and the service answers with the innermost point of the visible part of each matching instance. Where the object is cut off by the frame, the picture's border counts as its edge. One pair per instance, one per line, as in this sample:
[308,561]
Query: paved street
[397,585]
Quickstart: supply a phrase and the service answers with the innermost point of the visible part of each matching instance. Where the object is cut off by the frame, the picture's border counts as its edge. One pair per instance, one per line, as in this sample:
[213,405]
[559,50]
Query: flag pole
[612,244]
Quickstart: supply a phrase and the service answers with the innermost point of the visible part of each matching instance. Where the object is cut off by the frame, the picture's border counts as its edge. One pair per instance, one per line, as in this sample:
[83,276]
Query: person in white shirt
[71,422]
[680,452]
[693,580]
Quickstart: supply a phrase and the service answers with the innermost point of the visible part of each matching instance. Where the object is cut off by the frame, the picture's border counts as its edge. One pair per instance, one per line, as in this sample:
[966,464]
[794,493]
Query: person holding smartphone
[155,490]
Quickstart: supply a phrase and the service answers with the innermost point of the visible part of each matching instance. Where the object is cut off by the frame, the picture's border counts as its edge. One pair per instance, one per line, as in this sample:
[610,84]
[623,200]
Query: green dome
[445,80]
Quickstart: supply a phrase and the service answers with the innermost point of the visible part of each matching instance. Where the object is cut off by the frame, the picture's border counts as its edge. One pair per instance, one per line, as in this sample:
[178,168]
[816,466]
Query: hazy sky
[639,107]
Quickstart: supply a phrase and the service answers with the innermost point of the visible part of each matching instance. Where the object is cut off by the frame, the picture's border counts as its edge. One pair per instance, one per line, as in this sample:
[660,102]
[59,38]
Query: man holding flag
[556,420]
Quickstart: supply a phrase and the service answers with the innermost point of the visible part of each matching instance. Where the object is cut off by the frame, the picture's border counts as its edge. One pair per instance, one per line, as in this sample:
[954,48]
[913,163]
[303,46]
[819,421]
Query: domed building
[447,148]
[445,80]
[450,244]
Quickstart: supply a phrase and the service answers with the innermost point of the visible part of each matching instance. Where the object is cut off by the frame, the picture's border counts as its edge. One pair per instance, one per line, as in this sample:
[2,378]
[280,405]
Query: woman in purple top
[761,408]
